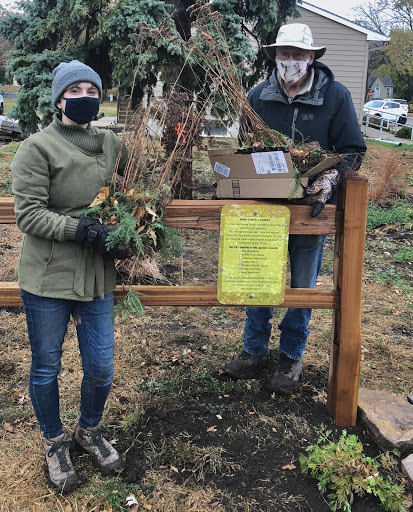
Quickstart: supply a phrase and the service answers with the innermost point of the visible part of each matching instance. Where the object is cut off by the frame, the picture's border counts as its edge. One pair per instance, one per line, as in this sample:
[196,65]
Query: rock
[407,468]
[388,418]
[410,398]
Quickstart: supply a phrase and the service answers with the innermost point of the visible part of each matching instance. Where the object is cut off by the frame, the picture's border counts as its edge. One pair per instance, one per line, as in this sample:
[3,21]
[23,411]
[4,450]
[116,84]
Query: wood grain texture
[206,214]
[344,376]
[191,296]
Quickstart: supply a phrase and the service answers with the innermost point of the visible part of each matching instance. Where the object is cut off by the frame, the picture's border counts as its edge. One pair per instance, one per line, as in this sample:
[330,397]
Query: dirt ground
[194,440]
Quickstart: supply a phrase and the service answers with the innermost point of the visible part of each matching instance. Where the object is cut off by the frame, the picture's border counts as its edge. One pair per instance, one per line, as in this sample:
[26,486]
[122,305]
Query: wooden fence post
[345,353]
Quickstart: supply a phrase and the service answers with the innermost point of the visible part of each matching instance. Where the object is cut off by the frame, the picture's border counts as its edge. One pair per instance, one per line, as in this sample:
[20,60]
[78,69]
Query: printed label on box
[272,162]
[222,169]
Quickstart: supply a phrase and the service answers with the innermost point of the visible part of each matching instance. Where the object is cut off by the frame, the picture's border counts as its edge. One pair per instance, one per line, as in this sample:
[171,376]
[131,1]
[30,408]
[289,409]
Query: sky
[340,7]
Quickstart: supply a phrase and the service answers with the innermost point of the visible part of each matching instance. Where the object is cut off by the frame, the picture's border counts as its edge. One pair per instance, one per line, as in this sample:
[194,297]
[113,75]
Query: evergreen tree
[102,33]
[44,33]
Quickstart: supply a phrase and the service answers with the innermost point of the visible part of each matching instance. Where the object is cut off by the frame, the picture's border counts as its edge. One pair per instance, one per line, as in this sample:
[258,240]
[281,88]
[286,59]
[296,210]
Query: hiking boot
[104,457]
[286,377]
[62,475]
[247,366]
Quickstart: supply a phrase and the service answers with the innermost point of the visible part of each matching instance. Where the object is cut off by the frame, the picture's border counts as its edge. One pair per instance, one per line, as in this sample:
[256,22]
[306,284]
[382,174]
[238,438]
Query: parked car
[403,103]
[386,109]
[1,105]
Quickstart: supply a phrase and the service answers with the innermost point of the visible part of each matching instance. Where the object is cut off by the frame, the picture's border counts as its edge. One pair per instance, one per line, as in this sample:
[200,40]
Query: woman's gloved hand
[320,191]
[93,236]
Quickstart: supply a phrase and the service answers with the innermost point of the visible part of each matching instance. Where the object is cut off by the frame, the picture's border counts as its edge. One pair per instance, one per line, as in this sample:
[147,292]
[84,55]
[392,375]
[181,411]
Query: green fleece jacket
[57,173]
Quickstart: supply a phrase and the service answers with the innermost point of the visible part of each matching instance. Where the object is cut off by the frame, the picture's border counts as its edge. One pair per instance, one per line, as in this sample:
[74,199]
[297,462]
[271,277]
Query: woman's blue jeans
[306,254]
[47,321]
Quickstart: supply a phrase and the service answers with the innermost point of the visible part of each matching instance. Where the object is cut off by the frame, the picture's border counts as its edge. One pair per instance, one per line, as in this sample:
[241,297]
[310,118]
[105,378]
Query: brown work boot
[104,457]
[247,366]
[62,475]
[286,377]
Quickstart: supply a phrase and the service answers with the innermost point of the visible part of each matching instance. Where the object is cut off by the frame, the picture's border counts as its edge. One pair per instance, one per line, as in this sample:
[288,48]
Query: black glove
[93,236]
[320,191]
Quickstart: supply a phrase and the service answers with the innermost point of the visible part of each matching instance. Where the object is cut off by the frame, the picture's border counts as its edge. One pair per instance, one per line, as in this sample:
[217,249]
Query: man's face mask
[81,110]
[292,70]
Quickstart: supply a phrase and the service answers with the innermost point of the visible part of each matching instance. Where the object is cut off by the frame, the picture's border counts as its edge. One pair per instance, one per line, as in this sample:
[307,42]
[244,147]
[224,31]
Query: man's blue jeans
[306,254]
[47,321]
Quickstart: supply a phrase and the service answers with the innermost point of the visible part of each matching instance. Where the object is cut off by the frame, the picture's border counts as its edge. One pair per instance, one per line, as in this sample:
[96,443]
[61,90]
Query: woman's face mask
[81,110]
[292,70]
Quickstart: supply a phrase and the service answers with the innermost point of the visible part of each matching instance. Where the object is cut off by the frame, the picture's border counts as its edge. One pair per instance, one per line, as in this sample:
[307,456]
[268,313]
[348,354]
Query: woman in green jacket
[64,268]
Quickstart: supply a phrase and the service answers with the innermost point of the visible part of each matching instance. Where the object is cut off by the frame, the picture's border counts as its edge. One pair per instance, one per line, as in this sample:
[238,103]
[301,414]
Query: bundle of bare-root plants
[160,139]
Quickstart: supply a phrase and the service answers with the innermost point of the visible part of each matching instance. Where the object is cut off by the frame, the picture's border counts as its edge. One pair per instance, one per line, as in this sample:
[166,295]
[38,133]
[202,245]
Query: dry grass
[387,174]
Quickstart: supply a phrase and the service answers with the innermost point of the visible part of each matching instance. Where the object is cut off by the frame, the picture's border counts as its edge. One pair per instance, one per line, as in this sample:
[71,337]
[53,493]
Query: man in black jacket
[303,101]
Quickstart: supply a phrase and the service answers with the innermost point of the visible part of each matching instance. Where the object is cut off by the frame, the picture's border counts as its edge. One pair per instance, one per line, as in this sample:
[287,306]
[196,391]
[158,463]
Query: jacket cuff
[70,229]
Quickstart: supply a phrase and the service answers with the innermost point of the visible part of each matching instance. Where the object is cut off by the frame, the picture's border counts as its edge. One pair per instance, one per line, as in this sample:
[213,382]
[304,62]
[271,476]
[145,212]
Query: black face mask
[81,110]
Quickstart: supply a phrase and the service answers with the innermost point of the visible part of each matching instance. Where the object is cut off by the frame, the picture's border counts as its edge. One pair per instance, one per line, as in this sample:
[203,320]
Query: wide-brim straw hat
[297,35]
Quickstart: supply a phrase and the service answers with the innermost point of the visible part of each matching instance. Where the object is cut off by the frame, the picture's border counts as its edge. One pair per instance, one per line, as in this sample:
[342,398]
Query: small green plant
[401,212]
[130,304]
[342,468]
[405,255]
[112,491]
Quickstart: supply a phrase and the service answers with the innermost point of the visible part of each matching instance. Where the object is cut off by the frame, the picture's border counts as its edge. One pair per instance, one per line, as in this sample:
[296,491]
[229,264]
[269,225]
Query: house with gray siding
[379,88]
[347,45]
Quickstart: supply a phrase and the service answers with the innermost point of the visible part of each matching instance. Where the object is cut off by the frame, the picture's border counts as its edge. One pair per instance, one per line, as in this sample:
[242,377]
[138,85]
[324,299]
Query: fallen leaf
[174,469]
[289,466]
[8,427]
[138,212]
[212,429]
[147,507]
[103,194]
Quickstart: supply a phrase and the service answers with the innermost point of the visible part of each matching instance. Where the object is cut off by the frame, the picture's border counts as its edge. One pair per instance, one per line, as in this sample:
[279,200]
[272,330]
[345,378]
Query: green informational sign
[253,254]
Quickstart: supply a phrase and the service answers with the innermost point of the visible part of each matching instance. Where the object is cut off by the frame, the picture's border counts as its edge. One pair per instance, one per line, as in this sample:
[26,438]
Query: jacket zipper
[293,124]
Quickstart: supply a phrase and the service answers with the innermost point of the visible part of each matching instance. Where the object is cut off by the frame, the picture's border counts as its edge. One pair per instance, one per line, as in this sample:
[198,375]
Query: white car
[403,103]
[386,109]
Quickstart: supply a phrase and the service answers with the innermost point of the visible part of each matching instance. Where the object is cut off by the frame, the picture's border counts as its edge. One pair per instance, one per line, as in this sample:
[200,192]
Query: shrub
[342,467]
[404,133]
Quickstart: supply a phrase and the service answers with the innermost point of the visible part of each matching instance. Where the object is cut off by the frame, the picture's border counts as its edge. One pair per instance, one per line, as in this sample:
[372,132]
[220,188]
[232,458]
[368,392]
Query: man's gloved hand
[320,191]
[93,236]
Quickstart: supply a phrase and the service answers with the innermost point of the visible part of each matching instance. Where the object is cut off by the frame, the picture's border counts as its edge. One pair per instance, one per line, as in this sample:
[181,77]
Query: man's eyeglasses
[298,55]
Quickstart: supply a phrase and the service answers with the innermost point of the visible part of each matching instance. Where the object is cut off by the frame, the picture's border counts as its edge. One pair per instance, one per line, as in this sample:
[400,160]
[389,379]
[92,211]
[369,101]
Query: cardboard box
[262,175]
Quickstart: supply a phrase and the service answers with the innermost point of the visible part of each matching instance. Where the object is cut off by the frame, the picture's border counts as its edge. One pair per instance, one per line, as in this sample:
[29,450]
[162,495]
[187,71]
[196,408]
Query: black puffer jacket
[325,114]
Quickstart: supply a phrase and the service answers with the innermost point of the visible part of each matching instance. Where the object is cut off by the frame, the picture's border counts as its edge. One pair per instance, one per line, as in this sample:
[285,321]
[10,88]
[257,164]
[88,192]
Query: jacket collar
[323,77]
[88,139]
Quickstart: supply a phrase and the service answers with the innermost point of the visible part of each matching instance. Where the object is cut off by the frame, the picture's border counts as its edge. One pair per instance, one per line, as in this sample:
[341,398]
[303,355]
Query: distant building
[379,88]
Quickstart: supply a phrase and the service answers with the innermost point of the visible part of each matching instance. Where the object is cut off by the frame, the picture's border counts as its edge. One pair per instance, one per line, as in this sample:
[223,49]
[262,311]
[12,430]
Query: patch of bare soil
[243,445]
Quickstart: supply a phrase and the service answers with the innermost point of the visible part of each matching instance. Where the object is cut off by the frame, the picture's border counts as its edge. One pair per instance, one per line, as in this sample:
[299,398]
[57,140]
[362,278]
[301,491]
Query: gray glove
[320,191]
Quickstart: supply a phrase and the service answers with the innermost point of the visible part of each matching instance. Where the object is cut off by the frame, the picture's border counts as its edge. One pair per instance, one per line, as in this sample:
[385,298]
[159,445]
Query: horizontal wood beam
[193,296]
[206,214]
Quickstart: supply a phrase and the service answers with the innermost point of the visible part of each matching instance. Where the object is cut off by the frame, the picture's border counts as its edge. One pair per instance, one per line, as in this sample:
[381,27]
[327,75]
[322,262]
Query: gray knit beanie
[68,73]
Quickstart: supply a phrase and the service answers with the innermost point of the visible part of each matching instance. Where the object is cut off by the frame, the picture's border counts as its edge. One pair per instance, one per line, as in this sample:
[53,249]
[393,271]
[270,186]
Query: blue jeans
[306,254]
[47,321]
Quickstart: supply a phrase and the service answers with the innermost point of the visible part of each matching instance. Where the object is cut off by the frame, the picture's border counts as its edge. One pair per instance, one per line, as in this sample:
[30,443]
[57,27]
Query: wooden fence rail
[347,222]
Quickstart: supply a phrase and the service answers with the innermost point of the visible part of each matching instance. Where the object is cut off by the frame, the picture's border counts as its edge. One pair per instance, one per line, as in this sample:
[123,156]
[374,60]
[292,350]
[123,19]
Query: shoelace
[61,448]
[97,440]
[285,365]
[56,446]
